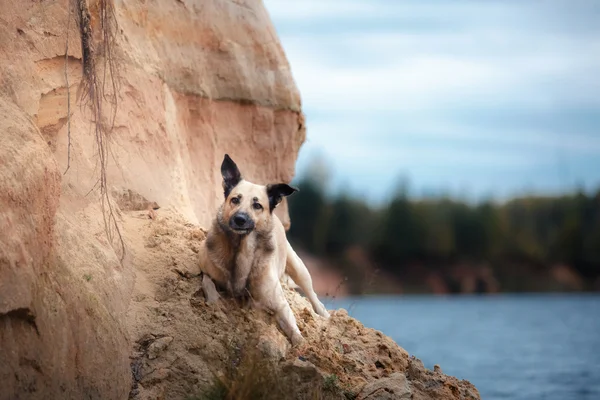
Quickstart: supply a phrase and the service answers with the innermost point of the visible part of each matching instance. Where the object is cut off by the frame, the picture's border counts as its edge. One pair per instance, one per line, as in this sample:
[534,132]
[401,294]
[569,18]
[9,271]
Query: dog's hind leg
[300,275]
[289,282]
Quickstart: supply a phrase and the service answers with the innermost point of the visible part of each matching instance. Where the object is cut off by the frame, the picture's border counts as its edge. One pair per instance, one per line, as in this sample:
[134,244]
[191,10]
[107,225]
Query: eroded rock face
[196,79]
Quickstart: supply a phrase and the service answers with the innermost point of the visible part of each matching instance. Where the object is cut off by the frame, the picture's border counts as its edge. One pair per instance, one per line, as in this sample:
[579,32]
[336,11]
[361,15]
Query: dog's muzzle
[241,222]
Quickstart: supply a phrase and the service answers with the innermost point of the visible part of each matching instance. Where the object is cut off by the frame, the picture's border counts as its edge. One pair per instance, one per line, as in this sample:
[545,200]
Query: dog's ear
[276,193]
[231,175]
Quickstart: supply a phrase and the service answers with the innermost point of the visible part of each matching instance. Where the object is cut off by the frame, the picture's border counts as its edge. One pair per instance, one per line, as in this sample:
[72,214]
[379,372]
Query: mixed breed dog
[246,251]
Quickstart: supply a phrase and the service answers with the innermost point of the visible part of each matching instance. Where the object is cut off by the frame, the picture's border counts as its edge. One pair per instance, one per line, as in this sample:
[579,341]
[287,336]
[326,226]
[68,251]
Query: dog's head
[248,206]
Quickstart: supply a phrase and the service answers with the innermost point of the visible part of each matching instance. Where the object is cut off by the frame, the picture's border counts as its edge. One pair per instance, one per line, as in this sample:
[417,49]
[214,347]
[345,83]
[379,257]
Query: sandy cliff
[193,80]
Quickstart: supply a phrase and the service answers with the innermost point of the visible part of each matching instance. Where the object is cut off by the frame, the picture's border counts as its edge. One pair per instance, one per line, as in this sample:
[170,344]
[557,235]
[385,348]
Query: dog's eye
[257,206]
[235,200]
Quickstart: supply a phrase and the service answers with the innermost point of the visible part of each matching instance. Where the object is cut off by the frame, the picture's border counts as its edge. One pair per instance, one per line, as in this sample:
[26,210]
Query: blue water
[518,347]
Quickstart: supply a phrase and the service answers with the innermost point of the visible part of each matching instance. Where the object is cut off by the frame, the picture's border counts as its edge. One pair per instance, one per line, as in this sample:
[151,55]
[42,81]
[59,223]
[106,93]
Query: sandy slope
[181,343]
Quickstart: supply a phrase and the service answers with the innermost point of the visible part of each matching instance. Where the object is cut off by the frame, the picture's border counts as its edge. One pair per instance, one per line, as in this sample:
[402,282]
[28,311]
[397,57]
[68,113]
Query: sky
[474,99]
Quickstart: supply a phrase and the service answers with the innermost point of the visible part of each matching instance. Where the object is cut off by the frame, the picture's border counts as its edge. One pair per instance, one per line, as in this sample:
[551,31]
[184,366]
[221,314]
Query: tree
[307,209]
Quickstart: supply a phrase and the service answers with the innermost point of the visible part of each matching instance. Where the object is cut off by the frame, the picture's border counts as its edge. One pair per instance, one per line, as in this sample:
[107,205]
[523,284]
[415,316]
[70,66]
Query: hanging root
[100,88]
[68,91]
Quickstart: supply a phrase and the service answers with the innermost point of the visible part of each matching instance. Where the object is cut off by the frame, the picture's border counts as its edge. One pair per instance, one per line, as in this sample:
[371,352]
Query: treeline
[537,232]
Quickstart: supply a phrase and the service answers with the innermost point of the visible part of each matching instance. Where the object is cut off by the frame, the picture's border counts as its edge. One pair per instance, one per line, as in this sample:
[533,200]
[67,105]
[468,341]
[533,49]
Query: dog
[246,250]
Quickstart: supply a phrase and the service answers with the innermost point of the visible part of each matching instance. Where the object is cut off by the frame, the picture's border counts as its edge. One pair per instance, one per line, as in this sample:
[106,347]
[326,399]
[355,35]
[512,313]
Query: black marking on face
[276,193]
[231,175]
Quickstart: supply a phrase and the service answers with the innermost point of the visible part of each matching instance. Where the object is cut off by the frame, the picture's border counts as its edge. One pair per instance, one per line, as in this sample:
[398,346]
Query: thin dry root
[99,68]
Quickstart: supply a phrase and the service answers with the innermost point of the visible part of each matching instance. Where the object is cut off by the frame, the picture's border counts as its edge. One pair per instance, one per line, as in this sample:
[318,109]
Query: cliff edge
[115,116]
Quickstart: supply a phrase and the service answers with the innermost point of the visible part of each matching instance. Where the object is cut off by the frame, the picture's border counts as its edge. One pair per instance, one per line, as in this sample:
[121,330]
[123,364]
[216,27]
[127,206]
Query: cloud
[431,13]
[412,72]
[450,92]
[355,142]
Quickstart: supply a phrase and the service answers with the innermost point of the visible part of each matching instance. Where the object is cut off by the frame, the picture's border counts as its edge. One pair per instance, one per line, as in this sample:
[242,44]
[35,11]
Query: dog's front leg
[210,273]
[269,294]
[287,320]
[243,265]
[287,323]
[210,291]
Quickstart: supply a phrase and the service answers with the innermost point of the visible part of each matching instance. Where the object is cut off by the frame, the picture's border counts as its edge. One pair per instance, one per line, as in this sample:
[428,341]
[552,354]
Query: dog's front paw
[297,339]
[211,295]
[212,298]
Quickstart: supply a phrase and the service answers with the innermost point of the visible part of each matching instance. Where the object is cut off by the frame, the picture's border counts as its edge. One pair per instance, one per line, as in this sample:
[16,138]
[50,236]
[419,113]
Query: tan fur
[256,261]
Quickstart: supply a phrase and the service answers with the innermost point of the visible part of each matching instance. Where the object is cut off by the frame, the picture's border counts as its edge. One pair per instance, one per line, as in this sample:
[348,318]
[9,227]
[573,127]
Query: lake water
[518,347]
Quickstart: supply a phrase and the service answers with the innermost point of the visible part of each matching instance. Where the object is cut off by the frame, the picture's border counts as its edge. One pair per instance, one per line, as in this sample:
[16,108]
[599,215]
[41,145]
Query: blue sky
[472,98]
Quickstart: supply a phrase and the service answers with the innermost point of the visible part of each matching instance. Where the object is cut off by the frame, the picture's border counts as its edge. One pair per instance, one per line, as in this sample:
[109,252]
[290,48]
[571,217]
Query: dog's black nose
[240,220]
